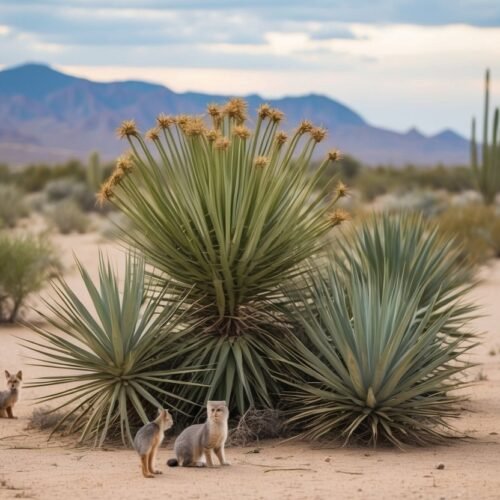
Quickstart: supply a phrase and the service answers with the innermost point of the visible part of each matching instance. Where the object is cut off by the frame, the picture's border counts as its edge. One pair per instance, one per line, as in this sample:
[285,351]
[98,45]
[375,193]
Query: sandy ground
[31,467]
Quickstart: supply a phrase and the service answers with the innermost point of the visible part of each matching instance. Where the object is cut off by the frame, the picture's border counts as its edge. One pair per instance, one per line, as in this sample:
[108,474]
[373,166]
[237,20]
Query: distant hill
[48,116]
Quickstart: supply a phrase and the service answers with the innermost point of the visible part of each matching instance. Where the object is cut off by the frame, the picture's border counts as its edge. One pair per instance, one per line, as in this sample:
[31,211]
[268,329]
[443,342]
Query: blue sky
[398,63]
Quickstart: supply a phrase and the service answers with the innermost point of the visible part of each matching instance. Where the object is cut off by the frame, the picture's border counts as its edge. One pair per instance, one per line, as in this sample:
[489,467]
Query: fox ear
[7,374]
[19,375]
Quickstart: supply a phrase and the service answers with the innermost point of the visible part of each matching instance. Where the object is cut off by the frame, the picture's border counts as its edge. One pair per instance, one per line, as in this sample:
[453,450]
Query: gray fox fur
[197,441]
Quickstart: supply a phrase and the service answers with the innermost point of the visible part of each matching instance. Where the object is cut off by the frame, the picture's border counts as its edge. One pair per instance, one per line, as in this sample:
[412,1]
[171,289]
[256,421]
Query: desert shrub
[37,201]
[377,181]
[476,227]
[228,214]
[383,342]
[35,177]
[428,203]
[12,205]
[70,189]
[121,353]
[26,264]
[5,175]
[68,217]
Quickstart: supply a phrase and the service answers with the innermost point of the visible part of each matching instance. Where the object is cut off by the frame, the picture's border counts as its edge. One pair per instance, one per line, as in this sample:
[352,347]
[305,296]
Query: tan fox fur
[10,397]
[149,438]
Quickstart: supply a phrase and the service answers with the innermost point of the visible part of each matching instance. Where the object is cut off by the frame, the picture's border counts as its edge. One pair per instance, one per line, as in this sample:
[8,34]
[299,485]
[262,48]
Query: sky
[398,63]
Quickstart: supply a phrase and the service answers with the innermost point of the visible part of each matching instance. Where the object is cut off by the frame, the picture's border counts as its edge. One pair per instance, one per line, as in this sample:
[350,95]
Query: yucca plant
[487,171]
[119,356]
[376,366]
[228,214]
[405,245]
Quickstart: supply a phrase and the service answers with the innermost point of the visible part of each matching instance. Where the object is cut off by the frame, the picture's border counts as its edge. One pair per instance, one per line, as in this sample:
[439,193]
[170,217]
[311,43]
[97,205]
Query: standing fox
[10,397]
[149,438]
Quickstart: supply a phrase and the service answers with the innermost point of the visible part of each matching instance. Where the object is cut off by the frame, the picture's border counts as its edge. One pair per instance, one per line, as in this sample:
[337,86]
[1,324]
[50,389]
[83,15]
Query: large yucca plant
[228,214]
[383,346]
[119,356]
[486,164]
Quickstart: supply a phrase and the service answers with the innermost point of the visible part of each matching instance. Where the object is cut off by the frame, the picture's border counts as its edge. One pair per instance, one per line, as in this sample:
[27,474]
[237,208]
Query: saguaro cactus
[487,171]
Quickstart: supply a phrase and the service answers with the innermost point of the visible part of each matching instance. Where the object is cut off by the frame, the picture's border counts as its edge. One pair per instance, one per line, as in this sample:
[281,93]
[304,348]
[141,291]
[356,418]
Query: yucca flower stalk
[228,213]
[487,171]
[383,342]
[120,356]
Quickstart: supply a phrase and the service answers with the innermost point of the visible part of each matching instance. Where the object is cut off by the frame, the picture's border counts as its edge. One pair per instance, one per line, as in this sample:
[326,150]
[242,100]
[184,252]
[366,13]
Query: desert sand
[32,467]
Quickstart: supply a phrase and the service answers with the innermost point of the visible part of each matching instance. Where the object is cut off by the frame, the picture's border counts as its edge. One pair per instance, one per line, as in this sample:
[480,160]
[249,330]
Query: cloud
[409,62]
[423,12]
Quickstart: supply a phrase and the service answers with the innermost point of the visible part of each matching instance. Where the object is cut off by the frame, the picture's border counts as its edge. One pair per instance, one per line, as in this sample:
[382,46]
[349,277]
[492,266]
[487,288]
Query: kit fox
[149,438]
[198,441]
[10,397]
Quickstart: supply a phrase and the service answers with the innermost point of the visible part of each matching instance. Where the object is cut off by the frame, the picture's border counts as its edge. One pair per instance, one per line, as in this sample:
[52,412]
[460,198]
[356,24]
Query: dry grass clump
[44,418]
[256,425]
[476,228]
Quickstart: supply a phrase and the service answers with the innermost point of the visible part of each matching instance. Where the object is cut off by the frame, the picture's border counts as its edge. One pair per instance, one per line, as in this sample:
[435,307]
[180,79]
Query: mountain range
[49,116]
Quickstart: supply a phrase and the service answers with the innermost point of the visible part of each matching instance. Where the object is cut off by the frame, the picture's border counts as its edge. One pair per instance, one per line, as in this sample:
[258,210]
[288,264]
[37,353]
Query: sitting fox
[10,397]
[193,447]
[149,438]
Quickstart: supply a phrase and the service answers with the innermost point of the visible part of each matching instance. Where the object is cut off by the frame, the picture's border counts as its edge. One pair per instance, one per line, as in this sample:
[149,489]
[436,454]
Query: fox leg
[208,457]
[3,413]
[152,461]
[9,412]
[145,467]
[221,456]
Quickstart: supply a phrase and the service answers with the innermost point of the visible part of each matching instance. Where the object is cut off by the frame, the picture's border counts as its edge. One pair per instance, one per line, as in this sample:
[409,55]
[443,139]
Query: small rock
[493,433]
[440,467]
[328,459]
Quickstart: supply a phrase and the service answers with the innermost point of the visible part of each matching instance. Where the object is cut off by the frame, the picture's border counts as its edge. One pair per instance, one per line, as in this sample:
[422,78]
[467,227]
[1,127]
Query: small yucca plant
[228,214]
[120,356]
[385,246]
[487,172]
[382,347]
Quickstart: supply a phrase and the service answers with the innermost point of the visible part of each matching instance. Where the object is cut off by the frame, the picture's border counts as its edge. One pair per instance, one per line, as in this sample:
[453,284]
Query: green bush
[228,214]
[121,353]
[373,182]
[12,205]
[34,177]
[68,217]
[384,341]
[26,264]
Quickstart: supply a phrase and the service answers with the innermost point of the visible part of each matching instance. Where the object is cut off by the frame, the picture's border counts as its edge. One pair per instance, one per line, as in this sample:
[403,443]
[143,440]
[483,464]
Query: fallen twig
[348,472]
[13,436]
[298,468]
